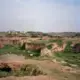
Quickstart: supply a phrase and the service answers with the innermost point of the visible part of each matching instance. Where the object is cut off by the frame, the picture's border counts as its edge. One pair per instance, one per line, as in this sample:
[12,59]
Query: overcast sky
[40,15]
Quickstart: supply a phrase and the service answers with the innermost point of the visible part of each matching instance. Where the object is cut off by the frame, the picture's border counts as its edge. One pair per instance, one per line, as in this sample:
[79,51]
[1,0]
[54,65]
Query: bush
[49,46]
[4,74]
[68,47]
[23,46]
[60,42]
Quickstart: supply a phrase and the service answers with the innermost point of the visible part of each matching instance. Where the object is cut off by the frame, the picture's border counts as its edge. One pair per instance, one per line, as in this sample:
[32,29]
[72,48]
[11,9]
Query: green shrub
[4,74]
[23,46]
[49,46]
[60,42]
[68,47]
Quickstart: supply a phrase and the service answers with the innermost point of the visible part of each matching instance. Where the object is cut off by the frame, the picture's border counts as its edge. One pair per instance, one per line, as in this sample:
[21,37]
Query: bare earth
[55,71]
[28,78]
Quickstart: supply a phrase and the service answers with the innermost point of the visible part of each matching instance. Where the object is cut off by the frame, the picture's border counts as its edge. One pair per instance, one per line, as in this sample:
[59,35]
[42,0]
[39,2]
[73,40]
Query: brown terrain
[53,68]
[29,78]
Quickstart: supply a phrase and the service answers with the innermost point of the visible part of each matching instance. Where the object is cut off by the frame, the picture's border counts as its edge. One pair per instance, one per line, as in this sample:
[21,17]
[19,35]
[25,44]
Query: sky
[40,15]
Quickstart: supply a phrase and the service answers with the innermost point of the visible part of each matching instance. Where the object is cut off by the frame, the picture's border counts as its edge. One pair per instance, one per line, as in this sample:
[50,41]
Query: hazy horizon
[40,15]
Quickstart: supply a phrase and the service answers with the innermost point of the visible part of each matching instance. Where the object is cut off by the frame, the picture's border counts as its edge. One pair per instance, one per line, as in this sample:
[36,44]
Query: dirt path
[29,78]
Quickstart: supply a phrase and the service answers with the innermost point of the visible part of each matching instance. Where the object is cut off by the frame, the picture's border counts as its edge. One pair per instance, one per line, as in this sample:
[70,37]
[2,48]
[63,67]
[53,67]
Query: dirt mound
[57,48]
[12,61]
[46,52]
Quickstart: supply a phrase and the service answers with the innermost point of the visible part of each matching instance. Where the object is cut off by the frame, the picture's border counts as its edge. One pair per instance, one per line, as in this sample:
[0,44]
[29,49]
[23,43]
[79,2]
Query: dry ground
[55,71]
[29,78]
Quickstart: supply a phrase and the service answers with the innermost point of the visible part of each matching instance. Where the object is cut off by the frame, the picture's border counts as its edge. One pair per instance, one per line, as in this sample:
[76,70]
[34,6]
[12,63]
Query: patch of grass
[58,41]
[9,49]
[42,42]
[12,50]
[70,58]
[33,53]
[68,47]
[4,74]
